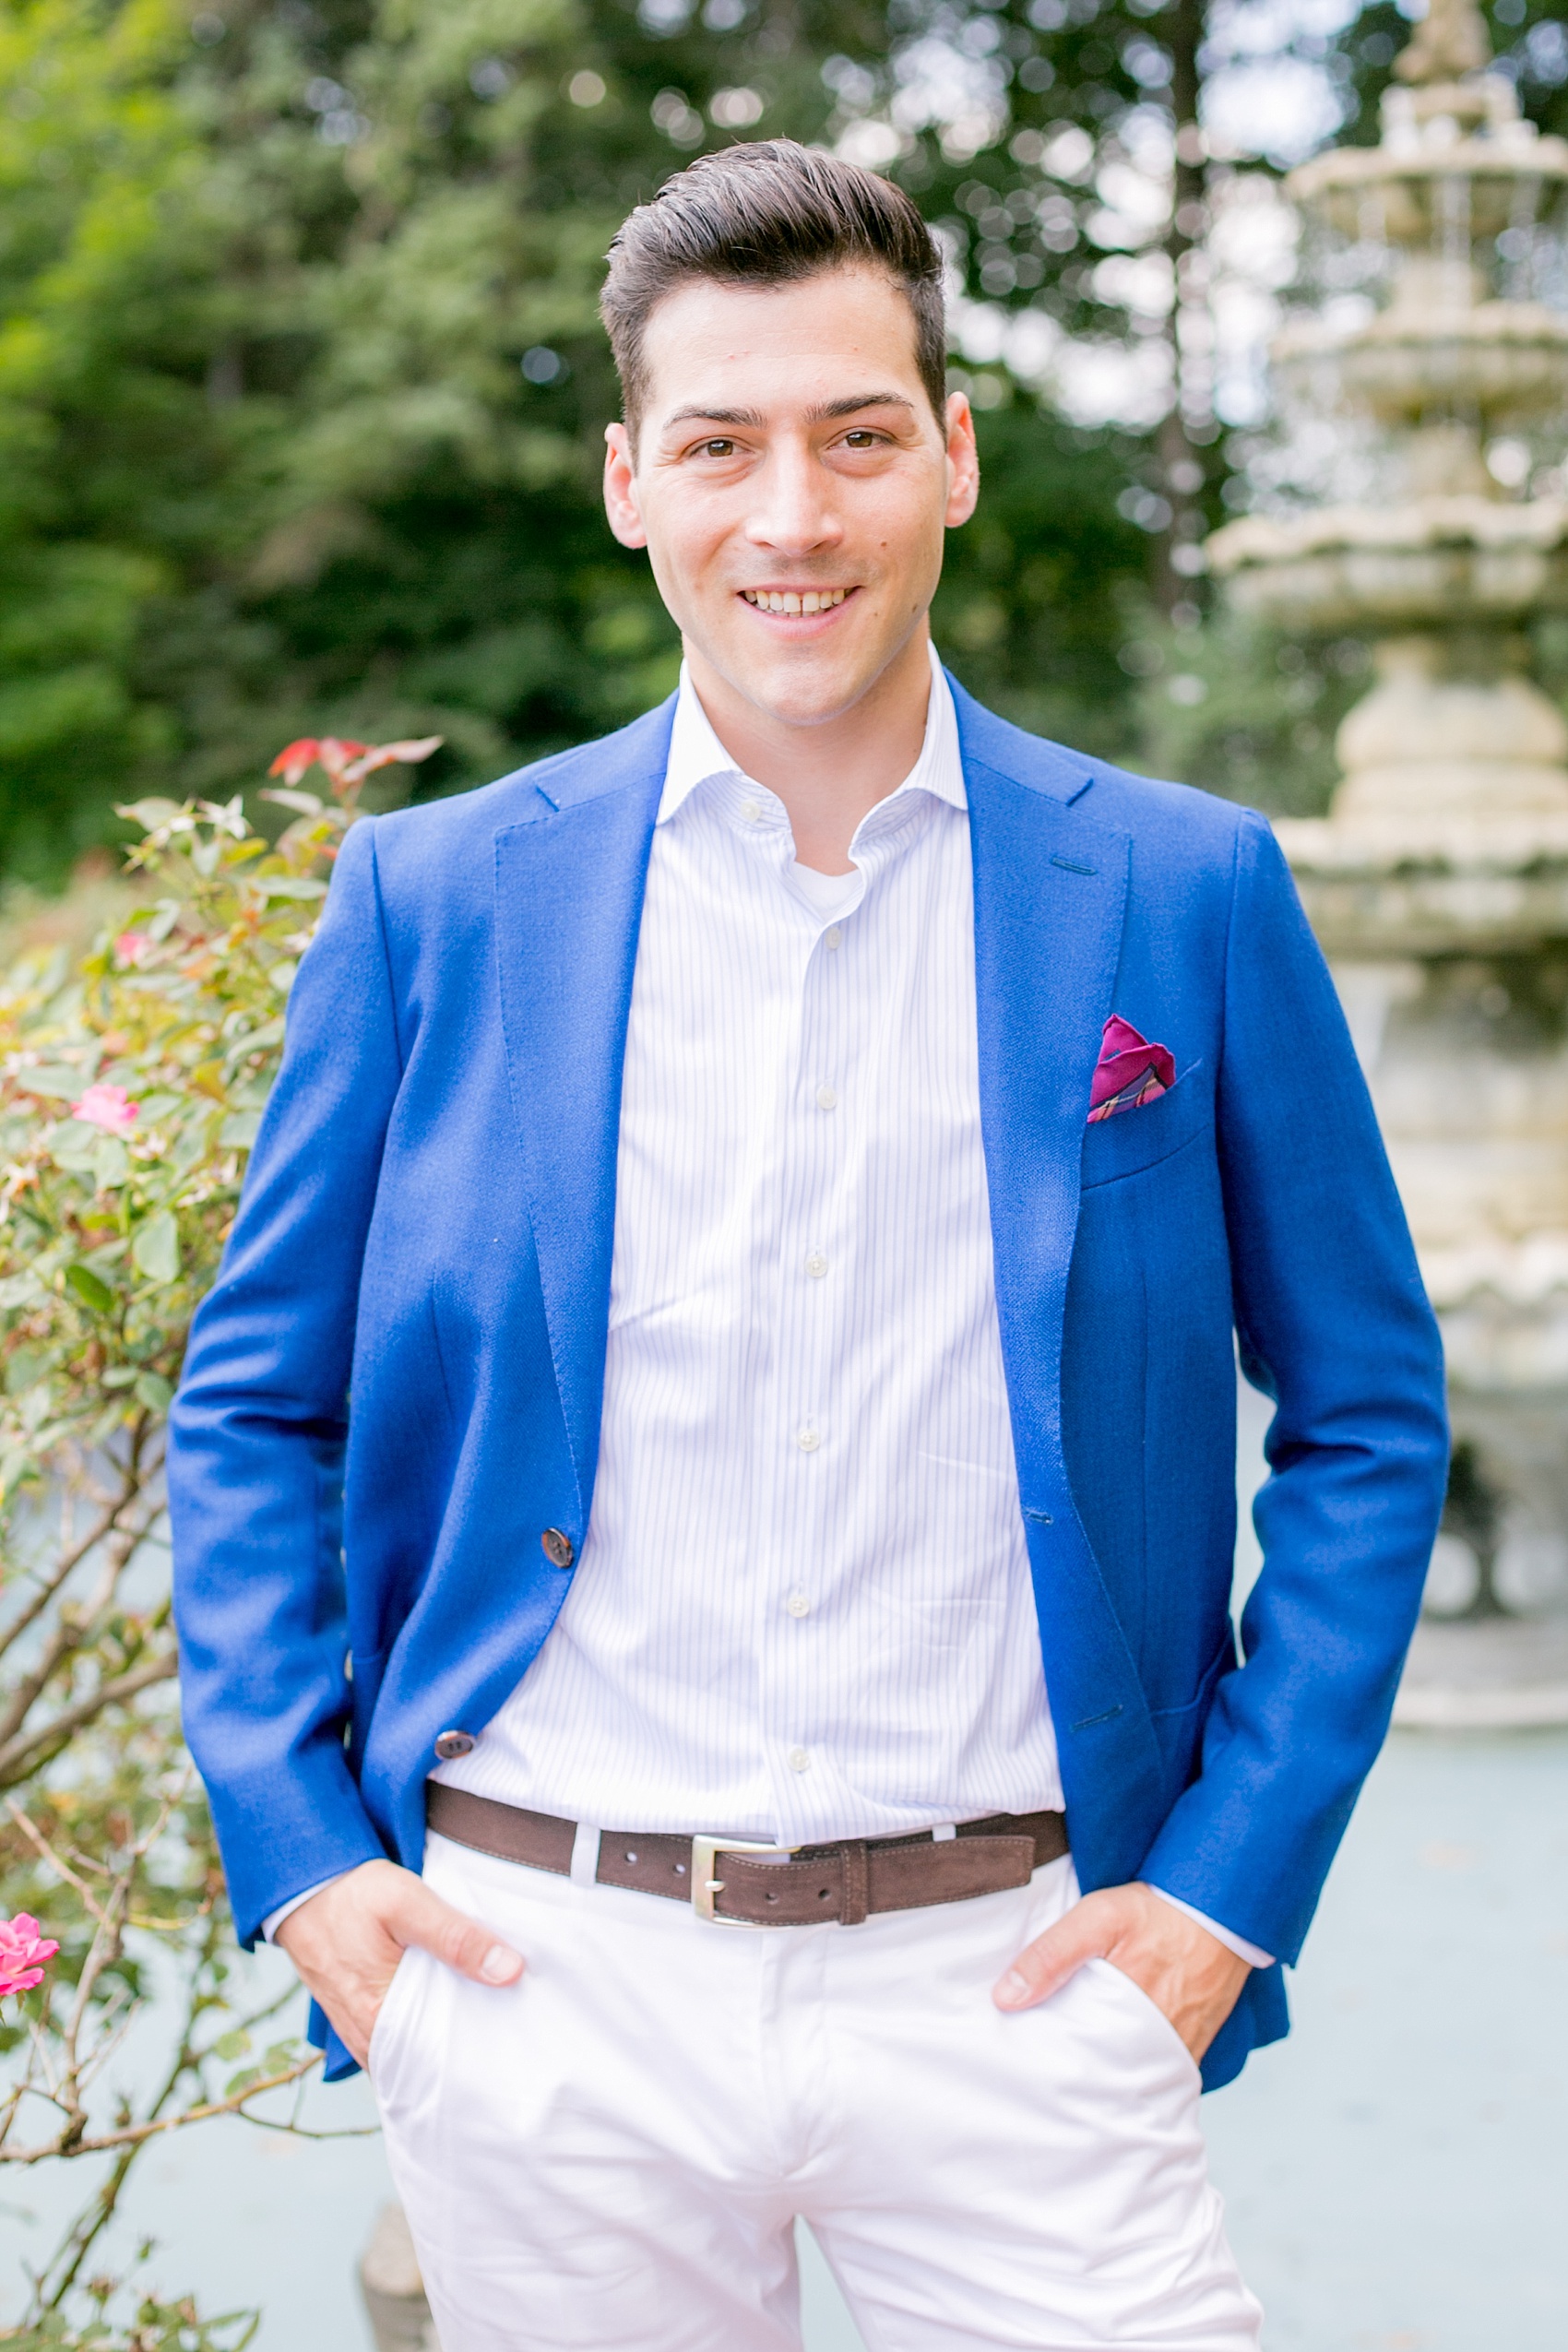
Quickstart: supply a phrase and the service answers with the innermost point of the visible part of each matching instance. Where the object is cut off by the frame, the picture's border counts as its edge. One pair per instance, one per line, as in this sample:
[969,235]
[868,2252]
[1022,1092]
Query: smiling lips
[802,600]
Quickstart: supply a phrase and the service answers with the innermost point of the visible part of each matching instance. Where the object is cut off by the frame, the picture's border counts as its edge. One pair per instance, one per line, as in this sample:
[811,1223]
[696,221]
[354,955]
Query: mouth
[796,603]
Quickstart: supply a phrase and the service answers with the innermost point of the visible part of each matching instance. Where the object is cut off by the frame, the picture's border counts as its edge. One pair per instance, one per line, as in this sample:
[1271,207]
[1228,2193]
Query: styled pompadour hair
[768,212]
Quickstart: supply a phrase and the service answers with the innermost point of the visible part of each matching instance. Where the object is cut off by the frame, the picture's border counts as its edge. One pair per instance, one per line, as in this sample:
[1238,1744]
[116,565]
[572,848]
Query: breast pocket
[1135,1140]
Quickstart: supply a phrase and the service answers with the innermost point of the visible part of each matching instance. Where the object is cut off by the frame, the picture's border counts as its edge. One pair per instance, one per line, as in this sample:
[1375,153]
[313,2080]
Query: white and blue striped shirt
[802,1610]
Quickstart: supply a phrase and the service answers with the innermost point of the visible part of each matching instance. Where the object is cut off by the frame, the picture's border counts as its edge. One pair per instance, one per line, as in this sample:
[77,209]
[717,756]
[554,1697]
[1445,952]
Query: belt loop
[585,1856]
[853,1908]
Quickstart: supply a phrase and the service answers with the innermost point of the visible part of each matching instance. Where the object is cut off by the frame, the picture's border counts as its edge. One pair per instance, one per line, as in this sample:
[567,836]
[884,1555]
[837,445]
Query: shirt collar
[696,753]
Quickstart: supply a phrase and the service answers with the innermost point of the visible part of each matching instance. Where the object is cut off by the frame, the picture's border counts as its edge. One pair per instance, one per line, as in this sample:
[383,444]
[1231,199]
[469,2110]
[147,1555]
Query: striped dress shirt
[802,1610]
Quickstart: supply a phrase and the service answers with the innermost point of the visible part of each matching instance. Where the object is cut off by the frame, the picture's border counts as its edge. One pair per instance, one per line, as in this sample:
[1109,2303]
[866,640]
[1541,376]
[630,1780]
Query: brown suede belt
[723,1878]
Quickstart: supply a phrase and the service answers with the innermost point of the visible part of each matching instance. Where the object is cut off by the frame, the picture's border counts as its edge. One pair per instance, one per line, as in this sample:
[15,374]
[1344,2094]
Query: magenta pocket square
[1130,1071]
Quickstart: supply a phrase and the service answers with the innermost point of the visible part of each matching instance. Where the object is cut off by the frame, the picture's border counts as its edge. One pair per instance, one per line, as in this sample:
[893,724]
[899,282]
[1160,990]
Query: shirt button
[816,1264]
[808,1439]
[557,1548]
[797,1605]
[450,1745]
[832,936]
[827,1098]
[798,1760]
[751,812]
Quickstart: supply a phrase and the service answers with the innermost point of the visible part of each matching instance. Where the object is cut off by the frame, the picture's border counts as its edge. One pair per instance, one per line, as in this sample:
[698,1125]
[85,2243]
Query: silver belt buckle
[705,1886]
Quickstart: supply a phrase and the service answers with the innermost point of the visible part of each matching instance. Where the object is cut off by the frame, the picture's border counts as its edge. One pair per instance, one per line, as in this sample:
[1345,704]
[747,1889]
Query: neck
[831,773]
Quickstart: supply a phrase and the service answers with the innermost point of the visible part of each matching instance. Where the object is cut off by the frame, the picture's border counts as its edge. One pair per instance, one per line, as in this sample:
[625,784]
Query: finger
[1044,1967]
[462,1943]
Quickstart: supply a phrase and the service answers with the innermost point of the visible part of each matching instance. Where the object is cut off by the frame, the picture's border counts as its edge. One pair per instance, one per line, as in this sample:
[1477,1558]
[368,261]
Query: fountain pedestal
[1438,884]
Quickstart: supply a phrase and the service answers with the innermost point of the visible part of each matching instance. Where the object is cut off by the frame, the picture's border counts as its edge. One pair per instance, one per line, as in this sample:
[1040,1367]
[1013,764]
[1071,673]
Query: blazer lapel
[1050,888]
[569,881]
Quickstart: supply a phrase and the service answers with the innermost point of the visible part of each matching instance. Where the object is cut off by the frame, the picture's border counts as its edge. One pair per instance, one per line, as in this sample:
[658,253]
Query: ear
[620,488]
[963,461]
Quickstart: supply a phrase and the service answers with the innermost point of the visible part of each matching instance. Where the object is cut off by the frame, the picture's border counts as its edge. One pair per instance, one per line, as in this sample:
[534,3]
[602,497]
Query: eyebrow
[826,412]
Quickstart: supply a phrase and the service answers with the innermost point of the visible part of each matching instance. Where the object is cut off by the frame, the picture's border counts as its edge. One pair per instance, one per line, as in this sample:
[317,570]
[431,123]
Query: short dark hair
[768,212]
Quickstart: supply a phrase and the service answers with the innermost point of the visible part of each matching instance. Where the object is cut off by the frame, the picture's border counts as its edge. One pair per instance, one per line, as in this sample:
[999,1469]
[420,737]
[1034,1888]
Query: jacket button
[452,1744]
[557,1548]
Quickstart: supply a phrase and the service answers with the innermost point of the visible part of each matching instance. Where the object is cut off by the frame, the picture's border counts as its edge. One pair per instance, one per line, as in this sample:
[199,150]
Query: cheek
[686,535]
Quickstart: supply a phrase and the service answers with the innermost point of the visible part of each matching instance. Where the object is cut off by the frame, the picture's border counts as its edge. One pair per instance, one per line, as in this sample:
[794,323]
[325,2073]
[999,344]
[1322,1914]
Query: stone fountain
[1438,883]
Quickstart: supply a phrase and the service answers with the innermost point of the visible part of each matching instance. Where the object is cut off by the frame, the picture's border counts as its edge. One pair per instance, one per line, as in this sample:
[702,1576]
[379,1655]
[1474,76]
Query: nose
[794,511]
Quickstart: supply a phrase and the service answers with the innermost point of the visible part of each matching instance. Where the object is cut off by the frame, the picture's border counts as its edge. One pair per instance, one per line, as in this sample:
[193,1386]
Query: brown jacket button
[451,1744]
[557,1548]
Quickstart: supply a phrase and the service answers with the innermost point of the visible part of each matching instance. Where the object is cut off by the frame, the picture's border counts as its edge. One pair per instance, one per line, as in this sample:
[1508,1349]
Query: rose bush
[132,1083]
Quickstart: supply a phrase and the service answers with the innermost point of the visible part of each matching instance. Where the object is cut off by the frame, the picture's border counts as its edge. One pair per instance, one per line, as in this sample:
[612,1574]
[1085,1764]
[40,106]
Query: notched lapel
[568,896]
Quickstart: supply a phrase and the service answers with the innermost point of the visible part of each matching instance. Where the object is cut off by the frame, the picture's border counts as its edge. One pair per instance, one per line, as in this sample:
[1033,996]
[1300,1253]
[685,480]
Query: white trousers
[612,2152]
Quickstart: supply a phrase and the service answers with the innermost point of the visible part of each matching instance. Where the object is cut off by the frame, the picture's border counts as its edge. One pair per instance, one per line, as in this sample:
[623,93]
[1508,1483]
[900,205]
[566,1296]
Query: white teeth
[791,601]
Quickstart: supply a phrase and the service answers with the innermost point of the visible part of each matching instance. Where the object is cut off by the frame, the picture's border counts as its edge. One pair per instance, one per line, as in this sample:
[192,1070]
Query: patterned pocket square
[1130,1071]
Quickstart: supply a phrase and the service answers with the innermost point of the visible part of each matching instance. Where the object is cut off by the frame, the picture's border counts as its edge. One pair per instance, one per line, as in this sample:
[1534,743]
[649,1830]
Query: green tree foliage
[95,167]
[302,387]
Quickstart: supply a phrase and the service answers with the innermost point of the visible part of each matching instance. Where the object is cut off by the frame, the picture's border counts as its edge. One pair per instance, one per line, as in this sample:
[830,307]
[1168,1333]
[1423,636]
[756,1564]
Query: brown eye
[719,448]
[858,440]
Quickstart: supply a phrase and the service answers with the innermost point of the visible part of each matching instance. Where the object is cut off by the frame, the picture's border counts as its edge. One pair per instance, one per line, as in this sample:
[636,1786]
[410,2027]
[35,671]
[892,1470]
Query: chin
[803,693]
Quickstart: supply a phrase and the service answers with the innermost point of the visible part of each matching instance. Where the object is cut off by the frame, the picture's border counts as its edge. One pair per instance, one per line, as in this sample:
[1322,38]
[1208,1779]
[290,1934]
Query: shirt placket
[808,1669]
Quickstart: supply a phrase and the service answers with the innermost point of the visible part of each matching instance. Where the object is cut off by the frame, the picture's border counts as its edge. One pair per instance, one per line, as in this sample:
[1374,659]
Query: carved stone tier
[1441,561]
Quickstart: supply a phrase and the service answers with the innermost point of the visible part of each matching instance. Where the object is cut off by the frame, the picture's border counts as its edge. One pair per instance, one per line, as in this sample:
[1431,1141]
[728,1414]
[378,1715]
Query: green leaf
[243,2081]
[282,975]
[231,2046]
[289,885]
[65,1085]
[159,1106]
[238,1131]
[156,1250]
[24,1366]
[153,1391]
[111,1162]
[89,1288]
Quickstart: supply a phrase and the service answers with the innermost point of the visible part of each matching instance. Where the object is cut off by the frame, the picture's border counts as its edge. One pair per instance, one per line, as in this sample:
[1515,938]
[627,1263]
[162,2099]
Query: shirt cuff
[1232,1942]
[275,1920]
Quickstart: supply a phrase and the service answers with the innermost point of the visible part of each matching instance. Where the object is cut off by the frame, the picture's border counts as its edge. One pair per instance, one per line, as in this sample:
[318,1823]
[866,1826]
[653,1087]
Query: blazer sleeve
[258,1430]
[1334,1326]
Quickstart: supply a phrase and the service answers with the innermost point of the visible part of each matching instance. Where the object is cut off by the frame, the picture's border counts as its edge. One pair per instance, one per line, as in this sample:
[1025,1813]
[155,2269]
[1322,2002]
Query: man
[781,1184]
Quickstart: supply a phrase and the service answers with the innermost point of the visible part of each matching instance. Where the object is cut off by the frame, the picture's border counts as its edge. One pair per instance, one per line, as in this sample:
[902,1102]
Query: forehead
[712,344]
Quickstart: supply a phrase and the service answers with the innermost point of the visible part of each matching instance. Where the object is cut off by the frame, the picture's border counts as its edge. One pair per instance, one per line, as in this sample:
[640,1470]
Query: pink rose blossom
[22,1955]
[131,946]
[107,1107]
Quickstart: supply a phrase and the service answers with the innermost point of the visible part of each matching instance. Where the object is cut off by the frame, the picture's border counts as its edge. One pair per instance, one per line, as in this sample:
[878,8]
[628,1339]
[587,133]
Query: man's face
[791,484]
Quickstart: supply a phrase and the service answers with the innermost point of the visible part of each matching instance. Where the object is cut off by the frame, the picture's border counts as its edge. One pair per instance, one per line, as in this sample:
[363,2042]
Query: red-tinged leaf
[336,753]
[295,759]
[407,754]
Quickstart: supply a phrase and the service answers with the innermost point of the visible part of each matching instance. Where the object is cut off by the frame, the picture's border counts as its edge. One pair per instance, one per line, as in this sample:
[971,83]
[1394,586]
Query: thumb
[418,1916]
[1044,1967]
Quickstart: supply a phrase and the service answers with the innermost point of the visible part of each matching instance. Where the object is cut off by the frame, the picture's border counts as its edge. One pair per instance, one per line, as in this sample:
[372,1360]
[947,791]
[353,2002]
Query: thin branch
[36,1838]
[70,1560]
[136,2135]
[71,1635]
[20,1755]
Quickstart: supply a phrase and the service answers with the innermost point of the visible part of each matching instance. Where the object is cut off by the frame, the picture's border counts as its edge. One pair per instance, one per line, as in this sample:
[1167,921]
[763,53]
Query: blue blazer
[427,1222]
